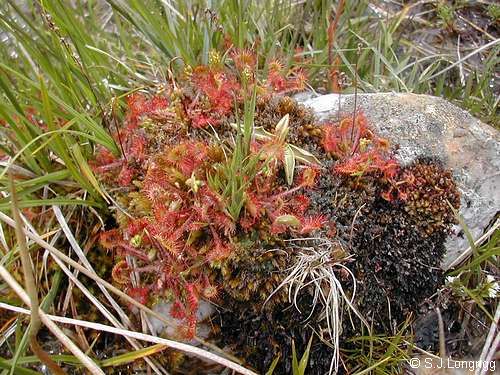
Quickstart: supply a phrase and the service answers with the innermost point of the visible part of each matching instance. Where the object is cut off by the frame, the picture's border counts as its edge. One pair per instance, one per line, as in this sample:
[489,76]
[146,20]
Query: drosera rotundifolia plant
[232,194]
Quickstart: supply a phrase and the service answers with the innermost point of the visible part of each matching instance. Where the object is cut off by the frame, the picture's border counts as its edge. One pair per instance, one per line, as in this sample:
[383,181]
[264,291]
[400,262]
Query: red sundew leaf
[156,175]
[137,148]
[298,81]
[220,89]
[277,228]
[103,157]
[171,243]
[275,66]
[311,223]
[276,81]
[136,226]
[253,205]
[273,150]
[371,161]
[121,273]
[196,226]
[224,223]
[154,192]
[190,330]
[166,221]
[140,106]
[178,311]
[244,59]
[195,154]
[227,96]
[343,140]
[331,140]
[220,249]
[211,292]
[137,106]
[126,175]
[255,146]
[136,103]
[203,78]
[308,177]
[390,168]
[202,120]
[219,252]
[110,239]
[357,165]
[186,157]
[157,103]
[300,204]
[209,198]
[192,298]
[105,164]
[222,99]
[247,221]
[140,294]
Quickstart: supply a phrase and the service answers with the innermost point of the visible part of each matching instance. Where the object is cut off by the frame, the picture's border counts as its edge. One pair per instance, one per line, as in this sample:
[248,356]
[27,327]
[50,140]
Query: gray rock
[423,125]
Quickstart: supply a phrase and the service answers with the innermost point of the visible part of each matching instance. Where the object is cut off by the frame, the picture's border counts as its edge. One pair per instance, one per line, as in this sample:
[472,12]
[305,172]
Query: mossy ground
[390,220]
[68,70]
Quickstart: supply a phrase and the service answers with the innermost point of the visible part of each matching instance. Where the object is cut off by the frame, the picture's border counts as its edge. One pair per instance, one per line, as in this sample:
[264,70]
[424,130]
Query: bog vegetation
[162,170]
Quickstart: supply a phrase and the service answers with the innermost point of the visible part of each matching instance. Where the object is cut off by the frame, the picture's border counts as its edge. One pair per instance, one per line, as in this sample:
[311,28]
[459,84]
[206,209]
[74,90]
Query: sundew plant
[169,206]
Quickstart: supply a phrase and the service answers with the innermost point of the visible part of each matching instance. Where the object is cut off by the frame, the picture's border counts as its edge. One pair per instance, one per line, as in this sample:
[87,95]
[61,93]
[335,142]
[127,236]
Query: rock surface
[422,125]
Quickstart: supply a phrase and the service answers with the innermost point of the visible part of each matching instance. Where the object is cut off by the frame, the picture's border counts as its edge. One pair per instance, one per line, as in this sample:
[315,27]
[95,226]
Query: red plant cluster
[186,230]
[183,231]
[140,106]
[282,80]
[182,202]
[359,151]
[217,89]
[220,90]
[132,139]
[284,209]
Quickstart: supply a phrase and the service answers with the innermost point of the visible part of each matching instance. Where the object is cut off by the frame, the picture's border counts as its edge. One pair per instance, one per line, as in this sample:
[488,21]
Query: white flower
[451,279]
[493,286]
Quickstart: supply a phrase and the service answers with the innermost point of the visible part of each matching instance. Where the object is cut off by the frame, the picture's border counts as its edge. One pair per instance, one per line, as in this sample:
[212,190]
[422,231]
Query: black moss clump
[396,267]
[427,330]
[398,246]
[342,199]
[257,329]
[260,337]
